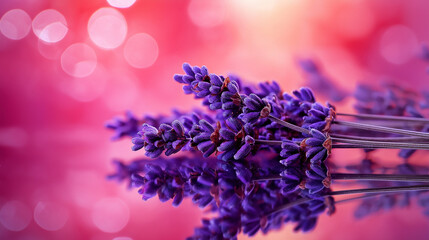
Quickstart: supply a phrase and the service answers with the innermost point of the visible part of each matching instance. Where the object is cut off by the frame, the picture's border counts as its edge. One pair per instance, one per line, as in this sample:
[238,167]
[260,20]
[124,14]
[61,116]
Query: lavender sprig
[259,157]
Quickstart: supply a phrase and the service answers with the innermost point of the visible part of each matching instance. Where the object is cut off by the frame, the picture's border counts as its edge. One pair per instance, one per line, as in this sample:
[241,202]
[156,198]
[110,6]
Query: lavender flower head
[258,158]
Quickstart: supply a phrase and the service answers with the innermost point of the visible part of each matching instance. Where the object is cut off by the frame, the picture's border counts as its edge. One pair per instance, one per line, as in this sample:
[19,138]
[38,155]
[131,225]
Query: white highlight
[50,216]
[79,60]
[50,26]
[121,3]
[107,28]
[15,24]
[141,50]
[398,44]
[122,238]
[110,215]
[15,216]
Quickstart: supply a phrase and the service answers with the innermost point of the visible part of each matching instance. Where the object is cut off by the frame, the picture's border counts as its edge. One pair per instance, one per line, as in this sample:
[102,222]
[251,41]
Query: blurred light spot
[15,216]
[122,238]
[88,88]
[49,51]
[253,7]
[121,3]
[107,28]
[79,60]
[13,137]
[207,13]
[110,215]
[398,44]
[50,26]
[15,24]
[50,216]
[141,50]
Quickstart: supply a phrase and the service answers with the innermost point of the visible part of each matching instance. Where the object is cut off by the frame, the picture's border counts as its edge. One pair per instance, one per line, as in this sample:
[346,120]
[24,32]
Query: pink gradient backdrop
[55,153]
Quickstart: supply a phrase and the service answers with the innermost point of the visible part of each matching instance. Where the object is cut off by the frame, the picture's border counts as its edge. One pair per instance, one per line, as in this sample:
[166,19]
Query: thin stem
[289,125]
[369,177]
[369,195]
[392,124]
[380,177]
[268,142]
[392,145]
[369,127]
[380,139]
[385,117]
[381,190]
[290,205]
[385,190]
[359,146]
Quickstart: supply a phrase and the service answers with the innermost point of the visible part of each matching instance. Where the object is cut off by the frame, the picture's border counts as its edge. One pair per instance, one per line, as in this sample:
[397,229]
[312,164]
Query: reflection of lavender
[259,158]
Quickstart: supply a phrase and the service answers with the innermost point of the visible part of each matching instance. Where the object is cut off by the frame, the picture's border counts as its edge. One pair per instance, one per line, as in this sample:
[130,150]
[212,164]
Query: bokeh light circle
[121,3]
[122,238]
[392,44]
[79,60]
[107,28]
[207,13]
[110,215]
[50,26]
[85,90]
[15,216]
[50,216]
[141,50]
[15,24]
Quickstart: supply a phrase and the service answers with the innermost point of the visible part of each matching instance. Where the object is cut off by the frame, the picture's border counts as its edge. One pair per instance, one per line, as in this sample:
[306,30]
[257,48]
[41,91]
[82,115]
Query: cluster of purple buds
[259,158]
[218,92]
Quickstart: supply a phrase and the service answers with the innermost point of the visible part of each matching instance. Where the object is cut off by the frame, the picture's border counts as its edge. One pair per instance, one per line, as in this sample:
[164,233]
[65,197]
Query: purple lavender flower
[218,92]
[254,109]
[205,137]
[170,138]
[318,147]
[238,140]
[259,158]
[319,117]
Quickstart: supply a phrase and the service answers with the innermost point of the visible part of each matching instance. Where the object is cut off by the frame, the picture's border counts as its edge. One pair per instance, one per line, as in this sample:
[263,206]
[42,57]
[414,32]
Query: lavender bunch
[259,157]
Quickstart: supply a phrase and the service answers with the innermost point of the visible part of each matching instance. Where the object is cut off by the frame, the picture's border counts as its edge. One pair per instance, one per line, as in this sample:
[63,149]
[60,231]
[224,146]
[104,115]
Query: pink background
[55,152]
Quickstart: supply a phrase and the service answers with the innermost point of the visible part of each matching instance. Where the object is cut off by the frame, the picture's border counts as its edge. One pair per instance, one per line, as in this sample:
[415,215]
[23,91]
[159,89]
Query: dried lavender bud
[298,104]
[291,152]
[218,92]
[237,140]
[254,109]
[319,117]
[170,138]
[318,147]
[205,137]
[317,178]
[272,150]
